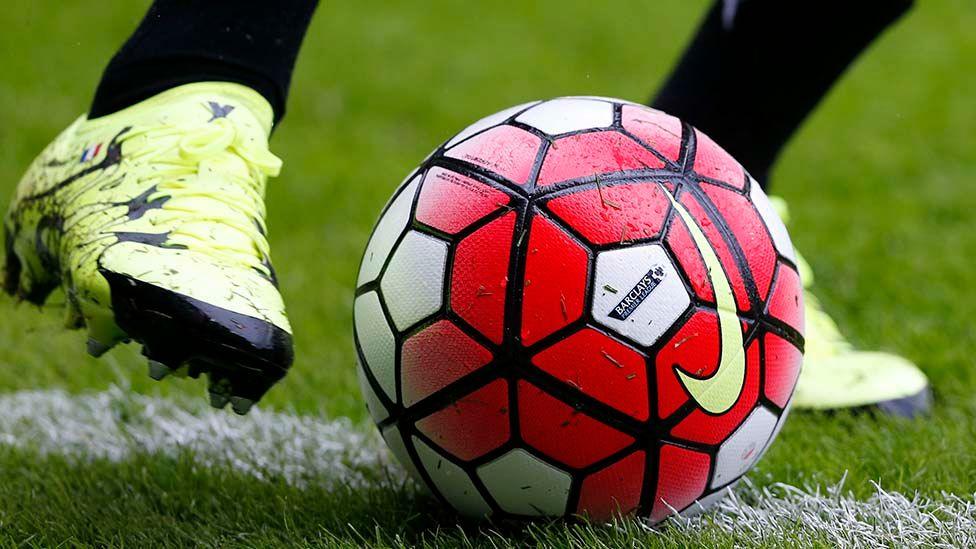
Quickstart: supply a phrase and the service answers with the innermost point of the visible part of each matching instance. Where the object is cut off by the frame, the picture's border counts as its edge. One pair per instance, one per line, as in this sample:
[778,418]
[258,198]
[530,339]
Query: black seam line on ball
[469,467]
[557,136]
[776,325]
[447,396]
[537,162]
[590,276]
[789,262]
[765,402]
[585,404]
[506,122]
[456,238]
[743,191]
[452,239]
[512,316]
[371,379]
[689,148]
[649,484]
[461,325]
[785,331]
[584,183]
[618,116]
[596,249]
[731,242]
[386,207]
[475,171]
[475,462]
[479,174]
[384,308]
[407,434]
[396,242]
[445,312]
[668,163]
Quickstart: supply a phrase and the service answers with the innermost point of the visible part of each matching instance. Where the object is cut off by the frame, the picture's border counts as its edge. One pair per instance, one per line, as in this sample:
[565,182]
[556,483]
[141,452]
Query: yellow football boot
[152,220]
[835,375]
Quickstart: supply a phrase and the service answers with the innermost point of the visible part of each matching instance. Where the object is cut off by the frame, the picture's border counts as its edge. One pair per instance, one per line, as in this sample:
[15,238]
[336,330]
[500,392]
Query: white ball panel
[706,503]
[408,178]
[388,229]
[452,482]
[394,441]
[487,122]
[630,272]
[524,485]
[376,341]
[413,283]
[741,450]
[373,403]
[778,428]
[568,115]
[777,229]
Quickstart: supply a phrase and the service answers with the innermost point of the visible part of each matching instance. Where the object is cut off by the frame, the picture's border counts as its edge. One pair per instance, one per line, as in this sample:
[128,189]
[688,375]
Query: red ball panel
[613,490]
[600,367]
[436,357]
[716,239]
[451,202]
[505,150]
[614,213]
[750,232]
[712,161]
[594,153]
[705,428]
[555,281]
[783,362]
[657,130]
[696,350]
[480,275]
[683,249]
[786,301]
[563,432]
[682,477]
[473,425]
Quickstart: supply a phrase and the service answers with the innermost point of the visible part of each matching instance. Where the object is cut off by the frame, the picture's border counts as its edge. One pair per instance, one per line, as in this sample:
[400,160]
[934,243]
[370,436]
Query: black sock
[250,42]
[756,68]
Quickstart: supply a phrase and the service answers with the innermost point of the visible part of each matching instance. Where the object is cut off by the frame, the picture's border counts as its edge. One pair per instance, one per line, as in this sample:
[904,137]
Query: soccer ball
[579,306]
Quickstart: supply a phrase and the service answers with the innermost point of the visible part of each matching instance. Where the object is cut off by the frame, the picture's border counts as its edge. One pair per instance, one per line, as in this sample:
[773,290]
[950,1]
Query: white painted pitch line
[116,424]
[784,514]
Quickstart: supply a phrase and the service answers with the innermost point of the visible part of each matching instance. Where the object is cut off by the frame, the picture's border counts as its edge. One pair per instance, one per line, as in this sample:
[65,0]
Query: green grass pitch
[880,182]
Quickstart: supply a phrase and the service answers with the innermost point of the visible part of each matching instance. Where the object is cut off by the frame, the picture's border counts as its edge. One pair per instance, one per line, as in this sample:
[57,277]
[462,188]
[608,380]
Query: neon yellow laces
[213,178]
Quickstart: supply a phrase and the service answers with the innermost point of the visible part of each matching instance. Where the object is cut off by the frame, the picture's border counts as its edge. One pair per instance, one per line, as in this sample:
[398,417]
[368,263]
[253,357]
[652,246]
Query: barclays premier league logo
[638,293]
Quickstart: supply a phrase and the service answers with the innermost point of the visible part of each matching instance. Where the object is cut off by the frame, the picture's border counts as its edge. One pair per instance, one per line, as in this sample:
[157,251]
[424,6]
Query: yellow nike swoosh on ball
[719,392]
